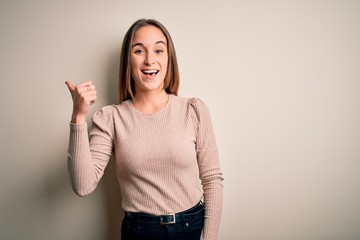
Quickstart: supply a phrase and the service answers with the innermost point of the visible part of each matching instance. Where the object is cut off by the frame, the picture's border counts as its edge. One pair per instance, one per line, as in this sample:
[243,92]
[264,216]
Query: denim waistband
[193,212]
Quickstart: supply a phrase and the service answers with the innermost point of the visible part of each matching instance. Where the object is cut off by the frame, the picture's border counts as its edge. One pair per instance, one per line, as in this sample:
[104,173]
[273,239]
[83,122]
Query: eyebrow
[141,44]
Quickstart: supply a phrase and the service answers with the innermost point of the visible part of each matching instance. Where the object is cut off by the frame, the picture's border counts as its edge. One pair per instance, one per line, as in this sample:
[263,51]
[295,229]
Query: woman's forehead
[148,35]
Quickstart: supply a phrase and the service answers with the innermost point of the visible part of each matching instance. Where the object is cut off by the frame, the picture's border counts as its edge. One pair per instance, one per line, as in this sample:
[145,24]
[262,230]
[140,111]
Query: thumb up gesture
[83,95]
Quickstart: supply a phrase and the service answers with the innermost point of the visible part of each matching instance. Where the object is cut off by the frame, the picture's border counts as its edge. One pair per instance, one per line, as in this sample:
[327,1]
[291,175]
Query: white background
[282,82]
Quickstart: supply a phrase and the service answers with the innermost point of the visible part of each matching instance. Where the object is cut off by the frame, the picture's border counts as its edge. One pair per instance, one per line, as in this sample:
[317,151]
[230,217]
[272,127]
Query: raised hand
[83,95]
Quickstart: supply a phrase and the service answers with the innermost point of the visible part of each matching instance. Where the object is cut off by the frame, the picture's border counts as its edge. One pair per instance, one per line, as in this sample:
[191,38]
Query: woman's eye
[159,51]
[138,51]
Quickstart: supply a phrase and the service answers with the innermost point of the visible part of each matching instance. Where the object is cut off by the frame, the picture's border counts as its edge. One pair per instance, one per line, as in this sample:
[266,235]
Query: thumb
[70,86]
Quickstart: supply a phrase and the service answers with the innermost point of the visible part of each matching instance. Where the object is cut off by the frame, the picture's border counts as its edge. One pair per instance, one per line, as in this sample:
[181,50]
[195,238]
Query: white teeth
[150,71]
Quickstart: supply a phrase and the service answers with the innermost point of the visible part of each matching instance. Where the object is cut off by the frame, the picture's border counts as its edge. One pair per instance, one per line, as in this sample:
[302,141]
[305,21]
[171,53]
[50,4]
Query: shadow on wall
[113,202]
[113,199]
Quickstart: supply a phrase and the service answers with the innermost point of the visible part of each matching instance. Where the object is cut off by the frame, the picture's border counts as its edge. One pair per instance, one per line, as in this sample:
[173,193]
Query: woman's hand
[83,95]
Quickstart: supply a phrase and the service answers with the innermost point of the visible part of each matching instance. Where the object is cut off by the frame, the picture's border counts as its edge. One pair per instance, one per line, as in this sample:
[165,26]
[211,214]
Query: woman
[163,144]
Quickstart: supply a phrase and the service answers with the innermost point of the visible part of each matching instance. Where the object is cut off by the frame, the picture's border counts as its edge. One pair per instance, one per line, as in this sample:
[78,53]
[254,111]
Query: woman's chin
[151,86]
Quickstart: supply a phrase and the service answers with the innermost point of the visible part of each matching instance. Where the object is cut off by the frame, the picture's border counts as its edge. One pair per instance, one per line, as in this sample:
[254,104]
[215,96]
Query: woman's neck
[150,102]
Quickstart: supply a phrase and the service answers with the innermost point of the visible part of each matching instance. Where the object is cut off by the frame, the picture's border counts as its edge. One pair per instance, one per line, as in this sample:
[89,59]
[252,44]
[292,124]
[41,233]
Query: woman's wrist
[78,119]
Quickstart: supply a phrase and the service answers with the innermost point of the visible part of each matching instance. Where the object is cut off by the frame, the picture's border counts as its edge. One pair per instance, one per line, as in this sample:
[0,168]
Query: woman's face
[149,59]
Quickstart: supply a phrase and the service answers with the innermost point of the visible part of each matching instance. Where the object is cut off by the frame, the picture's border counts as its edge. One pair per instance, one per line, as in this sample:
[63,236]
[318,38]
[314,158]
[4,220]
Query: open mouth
[150,72]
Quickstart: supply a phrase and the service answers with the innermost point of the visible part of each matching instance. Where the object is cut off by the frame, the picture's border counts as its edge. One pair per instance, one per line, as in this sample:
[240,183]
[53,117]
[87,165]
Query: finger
[93,100]
[89,93]
[86,91]
[85,88]
[90,99]
[84,84]
[87,96]
[70,86]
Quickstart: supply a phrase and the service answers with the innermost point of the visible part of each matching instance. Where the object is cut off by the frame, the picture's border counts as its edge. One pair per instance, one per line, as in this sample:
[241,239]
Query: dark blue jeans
[188,226]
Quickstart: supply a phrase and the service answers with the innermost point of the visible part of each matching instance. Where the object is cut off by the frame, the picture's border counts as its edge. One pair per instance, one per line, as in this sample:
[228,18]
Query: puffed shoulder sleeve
[89,155]
[102,132]
[209,167]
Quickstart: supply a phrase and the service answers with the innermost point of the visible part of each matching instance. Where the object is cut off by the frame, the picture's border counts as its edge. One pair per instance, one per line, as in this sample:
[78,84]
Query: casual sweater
[166,161]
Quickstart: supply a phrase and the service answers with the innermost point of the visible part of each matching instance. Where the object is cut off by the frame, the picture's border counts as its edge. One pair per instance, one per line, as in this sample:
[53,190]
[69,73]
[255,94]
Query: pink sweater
[165,161]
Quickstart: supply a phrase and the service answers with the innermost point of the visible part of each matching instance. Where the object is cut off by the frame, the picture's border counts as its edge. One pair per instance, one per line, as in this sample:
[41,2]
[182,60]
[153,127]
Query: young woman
[164,145]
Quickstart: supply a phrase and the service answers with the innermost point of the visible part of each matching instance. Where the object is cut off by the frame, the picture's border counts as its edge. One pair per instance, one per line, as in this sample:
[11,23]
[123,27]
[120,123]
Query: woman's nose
[150,59]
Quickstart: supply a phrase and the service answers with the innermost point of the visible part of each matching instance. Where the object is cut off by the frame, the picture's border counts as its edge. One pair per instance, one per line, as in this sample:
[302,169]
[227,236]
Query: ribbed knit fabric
[165,161]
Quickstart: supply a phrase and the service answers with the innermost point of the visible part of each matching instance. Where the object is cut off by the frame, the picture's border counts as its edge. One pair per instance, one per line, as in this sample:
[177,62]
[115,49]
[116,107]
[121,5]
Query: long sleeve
[209,168]
[89,155]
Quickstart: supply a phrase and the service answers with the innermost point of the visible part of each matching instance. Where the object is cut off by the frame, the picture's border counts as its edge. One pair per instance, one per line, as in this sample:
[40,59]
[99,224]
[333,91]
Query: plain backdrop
[281,80]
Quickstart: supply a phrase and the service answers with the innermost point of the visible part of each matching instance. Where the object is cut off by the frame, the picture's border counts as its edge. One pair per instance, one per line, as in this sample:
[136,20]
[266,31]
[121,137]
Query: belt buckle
[163,222]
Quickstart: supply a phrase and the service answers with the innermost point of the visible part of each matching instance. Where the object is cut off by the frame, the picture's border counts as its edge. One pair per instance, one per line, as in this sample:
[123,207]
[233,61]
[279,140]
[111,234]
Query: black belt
[169,218]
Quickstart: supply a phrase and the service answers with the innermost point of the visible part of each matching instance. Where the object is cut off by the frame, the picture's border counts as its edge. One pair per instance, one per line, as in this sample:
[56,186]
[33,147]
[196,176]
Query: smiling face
[149,59]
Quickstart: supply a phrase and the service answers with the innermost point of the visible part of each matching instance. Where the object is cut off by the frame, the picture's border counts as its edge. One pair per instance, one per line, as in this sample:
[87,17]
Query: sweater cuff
[78,135]
[78,131]
[74,126]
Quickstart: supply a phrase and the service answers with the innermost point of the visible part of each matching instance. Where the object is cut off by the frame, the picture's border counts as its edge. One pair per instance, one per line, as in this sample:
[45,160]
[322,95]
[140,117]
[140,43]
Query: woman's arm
[87,159]
[210,170]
